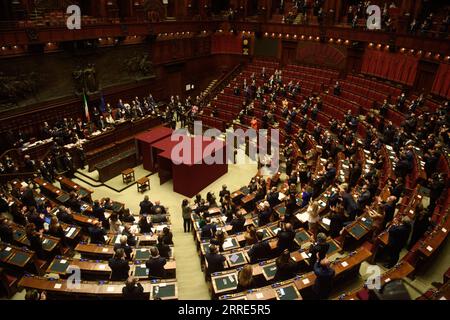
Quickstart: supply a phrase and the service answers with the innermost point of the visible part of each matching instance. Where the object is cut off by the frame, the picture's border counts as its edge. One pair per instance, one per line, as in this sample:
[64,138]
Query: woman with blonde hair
[313,217]
[250,235]
[245,278]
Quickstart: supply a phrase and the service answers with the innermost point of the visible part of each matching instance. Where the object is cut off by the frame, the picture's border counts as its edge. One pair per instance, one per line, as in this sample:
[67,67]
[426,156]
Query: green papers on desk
[230,243]
[287,293]
[228,282]
[142,254]
[302,236]
[266,234]
[47,244]
[205,247]
[163,290]
[236,259]
[18,235]
[367,222]
[281,210]
[245,190]
[5,253]
[270,270]
[333,247]
[117,207]
[275,229]
[141,271]
[63,198]
[19,258]
[83,193]
[59,266]
[357,231]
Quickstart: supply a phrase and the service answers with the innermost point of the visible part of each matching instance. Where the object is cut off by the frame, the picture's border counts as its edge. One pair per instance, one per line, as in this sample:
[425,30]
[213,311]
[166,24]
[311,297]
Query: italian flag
[86,108]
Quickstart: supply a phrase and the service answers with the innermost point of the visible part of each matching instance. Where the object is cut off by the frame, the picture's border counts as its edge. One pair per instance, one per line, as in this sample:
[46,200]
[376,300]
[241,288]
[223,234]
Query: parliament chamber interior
[351,202]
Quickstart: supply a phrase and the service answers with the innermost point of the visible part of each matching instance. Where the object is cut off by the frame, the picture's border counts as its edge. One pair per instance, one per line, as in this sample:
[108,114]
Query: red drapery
[226,44]
[392,66]
[441,85]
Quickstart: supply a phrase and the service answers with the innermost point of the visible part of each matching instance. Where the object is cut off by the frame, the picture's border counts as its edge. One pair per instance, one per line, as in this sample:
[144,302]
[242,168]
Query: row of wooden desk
[293,289]
[155,289]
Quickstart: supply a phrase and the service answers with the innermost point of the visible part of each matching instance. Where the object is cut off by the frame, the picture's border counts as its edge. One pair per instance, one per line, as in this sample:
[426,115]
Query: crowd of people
[426,130]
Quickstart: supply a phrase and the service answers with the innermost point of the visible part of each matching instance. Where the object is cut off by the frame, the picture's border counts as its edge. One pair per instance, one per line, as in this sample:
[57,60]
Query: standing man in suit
[286,238]
[124,246]
[237,223]
[324,279]
[398,238]
[260,250]
[119,266]
[318,249]
[133,290]
[214,259]
[155,264]
[145,206]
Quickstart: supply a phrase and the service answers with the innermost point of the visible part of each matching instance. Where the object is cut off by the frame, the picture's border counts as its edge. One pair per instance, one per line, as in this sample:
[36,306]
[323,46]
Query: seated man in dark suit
[318,249]
[273,197]
[157,206]
[264,213]
[124,246]
[133,290]
[27,197]
[260,250]
[155,265]
[214,259]
[64,215]
[286,238]
[98,211]
[119,266]
[131,239]
[97,233]
[73,202]
[237,224]
[324,279]
[145,206]
[6,232]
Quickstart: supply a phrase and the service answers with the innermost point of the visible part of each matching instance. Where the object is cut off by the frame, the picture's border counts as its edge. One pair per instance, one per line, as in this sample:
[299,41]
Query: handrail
[220,82]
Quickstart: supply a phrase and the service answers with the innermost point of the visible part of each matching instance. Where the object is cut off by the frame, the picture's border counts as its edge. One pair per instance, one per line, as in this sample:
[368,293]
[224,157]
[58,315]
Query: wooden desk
[143,184]
[128,175]
[103,289]
[95,250]
[68,185]
[14,256]
[224,282]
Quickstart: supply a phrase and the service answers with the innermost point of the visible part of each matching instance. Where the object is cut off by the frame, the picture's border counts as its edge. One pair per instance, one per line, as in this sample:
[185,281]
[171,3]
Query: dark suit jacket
[126,248]
[97,235]
[145,207]
[285,240]
[156,267]
[133,293]
[215,262]
[398,236]
[238,225]
[321,248]
[208,230]
[285,271]
[6,234]
[324,281]
[259,251]
[119,269]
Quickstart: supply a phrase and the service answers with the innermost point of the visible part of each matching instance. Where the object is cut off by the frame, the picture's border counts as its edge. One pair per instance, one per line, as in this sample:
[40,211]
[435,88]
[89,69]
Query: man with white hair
[124,246]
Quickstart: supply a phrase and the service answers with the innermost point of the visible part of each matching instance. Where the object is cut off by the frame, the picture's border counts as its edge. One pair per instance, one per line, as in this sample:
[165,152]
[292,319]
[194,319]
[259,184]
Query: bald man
[286,238]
